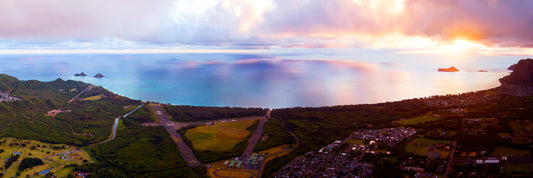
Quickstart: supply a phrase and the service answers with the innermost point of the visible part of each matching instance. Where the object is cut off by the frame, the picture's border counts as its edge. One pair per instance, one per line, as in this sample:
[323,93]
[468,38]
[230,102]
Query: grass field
[235,173]
[95,97]
[357,141]
[506,151]
[275,134]
[417,120]
[517,168]
[421,146]
[120,124]
[56,154]
[219,137]
[64,172]
[522,131]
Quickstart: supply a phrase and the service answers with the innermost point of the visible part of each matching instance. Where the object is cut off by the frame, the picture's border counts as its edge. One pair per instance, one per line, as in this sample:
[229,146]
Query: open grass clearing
[356,141]
[423,146]
[95,97]
[234,173]
[64,172]
[219,137]
[417,120]
[517,168]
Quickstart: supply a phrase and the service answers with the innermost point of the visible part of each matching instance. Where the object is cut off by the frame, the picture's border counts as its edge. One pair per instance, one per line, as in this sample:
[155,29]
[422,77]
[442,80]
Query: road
[185,150]
[126,115]
[185,124]
[449,166]
[83,91]
[114,128]
[255,137]
[217,121]
[112,135]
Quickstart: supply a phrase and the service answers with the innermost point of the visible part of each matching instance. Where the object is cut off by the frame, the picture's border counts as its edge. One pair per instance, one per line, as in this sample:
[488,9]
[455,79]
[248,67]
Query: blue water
[46,171]
[274,79]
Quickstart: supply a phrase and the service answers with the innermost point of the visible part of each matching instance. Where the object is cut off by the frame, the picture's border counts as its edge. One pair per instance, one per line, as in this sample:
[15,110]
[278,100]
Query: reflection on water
[261,80]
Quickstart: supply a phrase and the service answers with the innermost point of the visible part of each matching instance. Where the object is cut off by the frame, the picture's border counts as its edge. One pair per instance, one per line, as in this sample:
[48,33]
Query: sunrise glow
[405,26]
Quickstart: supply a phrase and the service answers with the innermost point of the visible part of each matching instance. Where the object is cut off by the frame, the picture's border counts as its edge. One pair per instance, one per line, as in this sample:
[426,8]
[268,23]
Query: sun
[461,45]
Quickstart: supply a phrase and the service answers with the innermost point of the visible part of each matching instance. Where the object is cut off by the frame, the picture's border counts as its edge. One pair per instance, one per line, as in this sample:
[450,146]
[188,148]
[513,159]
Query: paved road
[114,128]
[255,137]
[126,115]
[218,121]
[112,135]
[449,166]
[186,151]
[185,124]
[83,91]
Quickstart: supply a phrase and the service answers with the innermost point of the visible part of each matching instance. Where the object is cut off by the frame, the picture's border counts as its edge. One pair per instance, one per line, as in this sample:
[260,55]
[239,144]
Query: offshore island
[70,128]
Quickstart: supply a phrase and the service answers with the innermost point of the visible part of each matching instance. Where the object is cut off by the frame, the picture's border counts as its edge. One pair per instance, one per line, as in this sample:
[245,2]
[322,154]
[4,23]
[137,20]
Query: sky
[486,27]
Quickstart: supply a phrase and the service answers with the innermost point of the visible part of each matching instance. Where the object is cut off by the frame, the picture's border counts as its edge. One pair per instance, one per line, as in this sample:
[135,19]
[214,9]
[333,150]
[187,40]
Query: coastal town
[5,97]
[346,158]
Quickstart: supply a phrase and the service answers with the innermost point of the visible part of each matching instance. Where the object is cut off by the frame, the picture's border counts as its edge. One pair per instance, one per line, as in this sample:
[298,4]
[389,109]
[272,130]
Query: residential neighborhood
[4,97]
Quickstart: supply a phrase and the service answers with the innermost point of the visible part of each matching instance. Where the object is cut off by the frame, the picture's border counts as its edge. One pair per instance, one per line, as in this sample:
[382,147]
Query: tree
[29,163]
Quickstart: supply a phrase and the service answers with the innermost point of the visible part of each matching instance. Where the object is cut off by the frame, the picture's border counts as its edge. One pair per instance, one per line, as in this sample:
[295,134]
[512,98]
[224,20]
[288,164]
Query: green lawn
[420,146]
[517,168]
[219,137]
[417,120]
[95,97]
[357,141]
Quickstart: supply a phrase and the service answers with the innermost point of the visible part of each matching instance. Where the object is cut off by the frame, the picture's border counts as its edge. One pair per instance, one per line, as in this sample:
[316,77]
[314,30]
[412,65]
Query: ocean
[271,79]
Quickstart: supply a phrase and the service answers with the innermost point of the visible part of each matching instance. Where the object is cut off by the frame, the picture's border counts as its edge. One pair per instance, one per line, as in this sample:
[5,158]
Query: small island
[99,75]
[449,69]
[82,74]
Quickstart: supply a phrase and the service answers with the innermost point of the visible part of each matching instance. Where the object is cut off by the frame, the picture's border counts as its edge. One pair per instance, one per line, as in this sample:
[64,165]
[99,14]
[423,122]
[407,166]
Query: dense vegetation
[136,151]
[149,151]
[29,163]
[276,135]
[201,113]
[27,118]
[10,160]
[140,151]
[521,74]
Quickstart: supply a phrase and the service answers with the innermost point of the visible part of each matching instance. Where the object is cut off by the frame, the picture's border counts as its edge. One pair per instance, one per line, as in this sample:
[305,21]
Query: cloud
[501,23]
[67,20]
[265,23]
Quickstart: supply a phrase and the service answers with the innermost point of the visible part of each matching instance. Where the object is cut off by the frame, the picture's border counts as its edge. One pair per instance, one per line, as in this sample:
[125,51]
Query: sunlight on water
[265,80]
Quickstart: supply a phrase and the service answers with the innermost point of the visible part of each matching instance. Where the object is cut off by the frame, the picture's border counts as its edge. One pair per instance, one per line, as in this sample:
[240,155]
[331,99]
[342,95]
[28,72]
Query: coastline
[322,106]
